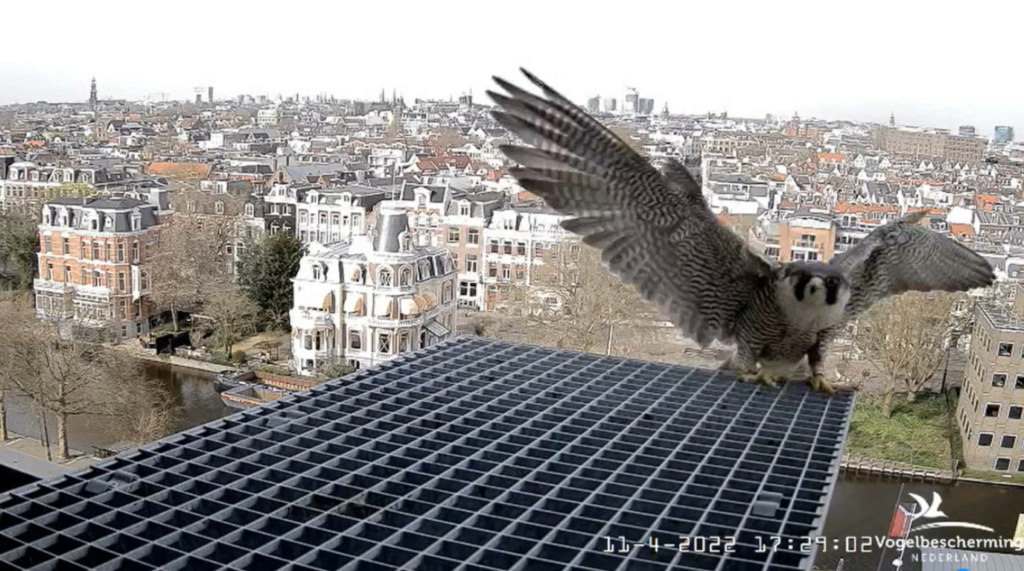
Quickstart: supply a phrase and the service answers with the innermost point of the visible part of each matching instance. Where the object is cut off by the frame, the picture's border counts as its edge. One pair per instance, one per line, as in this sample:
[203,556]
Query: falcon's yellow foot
[760,377]
[819,384]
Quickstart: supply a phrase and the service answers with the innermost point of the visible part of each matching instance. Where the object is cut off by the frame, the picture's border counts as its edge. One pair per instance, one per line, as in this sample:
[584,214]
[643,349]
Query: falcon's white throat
[813,312]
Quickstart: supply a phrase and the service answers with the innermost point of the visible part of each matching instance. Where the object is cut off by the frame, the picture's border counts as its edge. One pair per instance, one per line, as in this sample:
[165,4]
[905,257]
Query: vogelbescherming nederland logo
[931,511]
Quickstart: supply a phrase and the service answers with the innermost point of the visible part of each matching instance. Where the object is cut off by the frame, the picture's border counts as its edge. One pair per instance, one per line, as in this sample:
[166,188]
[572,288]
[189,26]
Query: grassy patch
[917,433]
[993,476]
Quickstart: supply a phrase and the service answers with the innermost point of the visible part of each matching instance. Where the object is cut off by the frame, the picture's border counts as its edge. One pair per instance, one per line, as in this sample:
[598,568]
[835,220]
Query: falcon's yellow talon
[819,384]
[761,378]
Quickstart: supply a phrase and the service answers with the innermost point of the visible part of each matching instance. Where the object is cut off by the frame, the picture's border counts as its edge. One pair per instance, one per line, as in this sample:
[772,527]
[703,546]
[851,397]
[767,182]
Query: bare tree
[65,374]
[575,303]
[234,315]
[905,338]
[191,261]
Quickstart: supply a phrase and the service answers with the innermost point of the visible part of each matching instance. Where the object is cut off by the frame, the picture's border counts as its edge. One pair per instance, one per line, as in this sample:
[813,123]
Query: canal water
[194,390]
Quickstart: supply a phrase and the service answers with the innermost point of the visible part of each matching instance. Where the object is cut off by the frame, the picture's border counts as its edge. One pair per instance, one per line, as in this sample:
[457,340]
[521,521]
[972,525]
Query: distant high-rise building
[209,98]
[1003,134]
[594,104]
[609,105]
[199,98]
[631,103]
[466,99]
[967,131]
[92,95]
[645,106]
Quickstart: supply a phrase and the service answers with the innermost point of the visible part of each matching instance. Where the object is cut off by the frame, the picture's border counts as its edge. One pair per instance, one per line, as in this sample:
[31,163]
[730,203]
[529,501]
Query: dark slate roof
[390,226]
[472,454]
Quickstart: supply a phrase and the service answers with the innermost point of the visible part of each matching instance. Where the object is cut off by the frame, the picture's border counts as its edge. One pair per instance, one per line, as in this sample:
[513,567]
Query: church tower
[92,96]
[892,119]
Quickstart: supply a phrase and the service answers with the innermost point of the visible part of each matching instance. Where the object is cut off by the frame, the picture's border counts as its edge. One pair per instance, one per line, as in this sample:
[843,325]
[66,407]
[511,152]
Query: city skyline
[949,84]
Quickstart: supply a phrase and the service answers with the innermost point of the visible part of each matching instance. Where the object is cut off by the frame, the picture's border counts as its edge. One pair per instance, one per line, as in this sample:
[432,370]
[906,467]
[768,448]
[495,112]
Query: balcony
[51,286]
[310,318]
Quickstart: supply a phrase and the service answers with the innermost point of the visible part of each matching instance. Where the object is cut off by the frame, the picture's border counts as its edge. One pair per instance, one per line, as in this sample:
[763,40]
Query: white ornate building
[371,299]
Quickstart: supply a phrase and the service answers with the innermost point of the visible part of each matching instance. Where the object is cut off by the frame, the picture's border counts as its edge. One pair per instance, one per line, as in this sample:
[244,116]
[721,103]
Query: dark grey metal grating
[473,455]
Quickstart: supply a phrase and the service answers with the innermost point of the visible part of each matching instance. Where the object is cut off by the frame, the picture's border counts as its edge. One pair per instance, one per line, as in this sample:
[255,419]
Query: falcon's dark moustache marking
[801,285]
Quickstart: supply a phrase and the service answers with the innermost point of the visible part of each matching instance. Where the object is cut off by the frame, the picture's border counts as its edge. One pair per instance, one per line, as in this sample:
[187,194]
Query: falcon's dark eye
[831,282]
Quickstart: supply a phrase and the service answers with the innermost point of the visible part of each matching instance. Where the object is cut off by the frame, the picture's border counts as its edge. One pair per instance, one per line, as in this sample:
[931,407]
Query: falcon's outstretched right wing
[655,230]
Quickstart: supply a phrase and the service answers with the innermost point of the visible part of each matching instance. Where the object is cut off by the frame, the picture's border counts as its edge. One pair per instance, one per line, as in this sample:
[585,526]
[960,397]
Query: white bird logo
[928,511]
[932,511]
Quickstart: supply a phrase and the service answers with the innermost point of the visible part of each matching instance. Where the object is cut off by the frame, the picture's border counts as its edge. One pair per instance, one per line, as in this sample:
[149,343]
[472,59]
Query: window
[467,289]
[335,219]
[384,277]
[473,236]
[999,380]
[404,342]
[1002,464]
[1006,349]
[506,247]
[120,252]
[123,306]
[81,250]
[1015,412]
[506,272]
[323,237]
[67,274]
[135,252]
[1019,382]
[520,248]
[355,340]
[95,279]
[307,342]
[985,439]
[1008,441]
[446,292]
[992,410]
[49,271]
[120,282]
[492,270]
[317,274]
[66,248]
[463,209]
[471,265]
[302,216]
[250,210]
[84,277]
[384,343]
[520,273]
[108,257]
[47,244]
[218,207]
[323,218]
[453,235]
[95,250]
[190,206]
[492,246]
[405,277]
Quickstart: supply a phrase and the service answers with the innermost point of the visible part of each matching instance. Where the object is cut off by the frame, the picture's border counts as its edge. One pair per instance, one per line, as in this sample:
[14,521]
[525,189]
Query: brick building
[91,264]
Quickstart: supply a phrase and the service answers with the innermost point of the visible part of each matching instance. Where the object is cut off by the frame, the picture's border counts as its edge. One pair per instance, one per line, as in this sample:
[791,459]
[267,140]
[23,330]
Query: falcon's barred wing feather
[904,256]
[654,230]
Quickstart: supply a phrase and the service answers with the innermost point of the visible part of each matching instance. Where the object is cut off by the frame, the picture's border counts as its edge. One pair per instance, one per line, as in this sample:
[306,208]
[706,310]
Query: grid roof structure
[473,455]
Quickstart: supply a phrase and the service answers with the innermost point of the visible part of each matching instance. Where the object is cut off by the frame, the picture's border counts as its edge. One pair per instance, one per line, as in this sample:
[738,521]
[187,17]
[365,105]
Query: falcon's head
[816,284]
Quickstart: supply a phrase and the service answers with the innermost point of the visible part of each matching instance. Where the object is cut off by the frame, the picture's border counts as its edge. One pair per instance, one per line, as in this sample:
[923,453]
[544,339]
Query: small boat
[227,379]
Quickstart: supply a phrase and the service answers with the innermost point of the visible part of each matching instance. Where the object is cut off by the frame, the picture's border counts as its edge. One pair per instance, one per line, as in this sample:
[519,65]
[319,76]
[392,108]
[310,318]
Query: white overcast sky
[931,63]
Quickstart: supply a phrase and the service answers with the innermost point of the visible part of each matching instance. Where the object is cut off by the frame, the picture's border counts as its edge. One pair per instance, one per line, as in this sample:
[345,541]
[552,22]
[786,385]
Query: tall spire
[892,119]
[92,95]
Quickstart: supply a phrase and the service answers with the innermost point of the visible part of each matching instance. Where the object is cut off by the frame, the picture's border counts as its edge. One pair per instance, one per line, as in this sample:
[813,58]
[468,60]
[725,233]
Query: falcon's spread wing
[904,256]
[654,230]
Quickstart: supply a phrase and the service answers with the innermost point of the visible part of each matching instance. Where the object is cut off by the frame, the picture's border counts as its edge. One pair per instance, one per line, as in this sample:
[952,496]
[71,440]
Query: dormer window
[136,222]
[250,210]
[318,273]
[190,206]
[464,209]
[384,277]
[94,224]
[110,222]
[218,207]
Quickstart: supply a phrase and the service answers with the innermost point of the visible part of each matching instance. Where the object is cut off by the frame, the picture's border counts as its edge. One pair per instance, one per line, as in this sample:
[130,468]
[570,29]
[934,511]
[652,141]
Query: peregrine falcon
[656,232]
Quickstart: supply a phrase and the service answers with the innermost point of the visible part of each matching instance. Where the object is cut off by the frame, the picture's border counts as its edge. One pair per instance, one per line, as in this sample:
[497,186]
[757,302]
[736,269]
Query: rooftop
[473,454]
